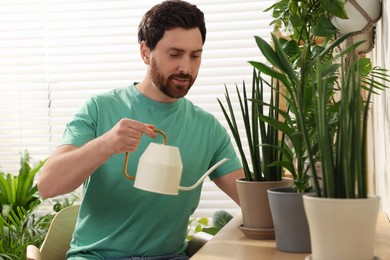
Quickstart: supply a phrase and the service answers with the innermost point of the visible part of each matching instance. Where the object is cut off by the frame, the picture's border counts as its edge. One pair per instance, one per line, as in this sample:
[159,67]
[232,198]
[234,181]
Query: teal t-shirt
[118,220]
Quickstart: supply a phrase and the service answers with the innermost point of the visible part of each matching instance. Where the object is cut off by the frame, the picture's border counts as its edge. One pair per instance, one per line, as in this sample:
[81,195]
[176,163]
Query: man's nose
[185,65]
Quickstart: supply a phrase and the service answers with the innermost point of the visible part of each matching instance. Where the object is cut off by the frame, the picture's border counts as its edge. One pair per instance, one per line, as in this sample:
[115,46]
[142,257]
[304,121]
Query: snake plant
[263,140]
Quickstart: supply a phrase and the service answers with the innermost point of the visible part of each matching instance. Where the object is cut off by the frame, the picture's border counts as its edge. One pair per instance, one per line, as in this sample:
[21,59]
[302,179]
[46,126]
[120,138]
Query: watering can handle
[127,155]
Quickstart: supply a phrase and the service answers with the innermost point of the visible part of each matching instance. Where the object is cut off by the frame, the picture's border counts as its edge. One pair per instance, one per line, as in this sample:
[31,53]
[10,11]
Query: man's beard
[166,86]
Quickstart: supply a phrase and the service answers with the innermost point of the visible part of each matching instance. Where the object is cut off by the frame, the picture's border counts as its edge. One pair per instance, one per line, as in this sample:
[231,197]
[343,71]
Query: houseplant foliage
[309,64]
[304,30]
[219,220]
[355,77]
[263,139]
[344,163]
[309,41]
[19,191]
[20,225]
[331,130]
[264,149]
[344,158]
[18,199]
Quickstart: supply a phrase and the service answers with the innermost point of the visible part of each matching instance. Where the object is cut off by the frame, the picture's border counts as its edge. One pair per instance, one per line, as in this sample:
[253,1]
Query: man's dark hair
[168,15]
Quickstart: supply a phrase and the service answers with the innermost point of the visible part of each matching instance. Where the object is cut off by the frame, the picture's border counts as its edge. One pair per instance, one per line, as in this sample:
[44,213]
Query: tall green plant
[344,169]
[263,139]
[308,31]
[299,104]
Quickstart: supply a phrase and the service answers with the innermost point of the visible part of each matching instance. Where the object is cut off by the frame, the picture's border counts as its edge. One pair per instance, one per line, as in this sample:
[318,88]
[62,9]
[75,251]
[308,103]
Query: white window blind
[56,53]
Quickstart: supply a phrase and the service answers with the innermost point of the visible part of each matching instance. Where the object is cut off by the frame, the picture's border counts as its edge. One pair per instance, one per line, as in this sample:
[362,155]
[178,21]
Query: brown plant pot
[256,213]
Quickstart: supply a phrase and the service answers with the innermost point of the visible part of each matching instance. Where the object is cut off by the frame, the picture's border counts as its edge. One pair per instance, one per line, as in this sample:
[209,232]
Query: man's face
[174,63]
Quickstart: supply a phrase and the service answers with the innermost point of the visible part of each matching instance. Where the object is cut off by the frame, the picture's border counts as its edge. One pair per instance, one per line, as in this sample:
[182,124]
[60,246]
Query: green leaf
[268,52]
[210,230]
[279,125]
[324,27]
[335,7]
[221,218]
[285,63]
[270,72]
[365,66]
[291,48]
[198,228]
[204,221]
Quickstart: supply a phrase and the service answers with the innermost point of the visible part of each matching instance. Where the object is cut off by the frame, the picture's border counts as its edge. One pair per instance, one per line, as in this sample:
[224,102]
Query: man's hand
[69,166]
[126,135]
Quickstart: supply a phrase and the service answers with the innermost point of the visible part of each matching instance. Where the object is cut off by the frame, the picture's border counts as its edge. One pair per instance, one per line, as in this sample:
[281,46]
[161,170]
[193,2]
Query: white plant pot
[356,21]
[341,229]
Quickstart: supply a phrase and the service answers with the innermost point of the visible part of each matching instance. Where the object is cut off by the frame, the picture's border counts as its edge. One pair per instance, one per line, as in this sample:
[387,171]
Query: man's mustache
[182,76]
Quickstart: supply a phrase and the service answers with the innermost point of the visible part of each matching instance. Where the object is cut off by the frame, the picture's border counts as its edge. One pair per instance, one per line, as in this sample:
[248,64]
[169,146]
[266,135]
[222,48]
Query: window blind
[56,53]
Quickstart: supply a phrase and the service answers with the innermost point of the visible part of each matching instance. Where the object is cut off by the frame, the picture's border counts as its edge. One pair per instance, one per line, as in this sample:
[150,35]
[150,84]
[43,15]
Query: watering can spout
[204,175]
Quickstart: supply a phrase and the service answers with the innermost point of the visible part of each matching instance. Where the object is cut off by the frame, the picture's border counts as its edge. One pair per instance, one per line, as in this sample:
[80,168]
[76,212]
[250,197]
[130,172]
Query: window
[56,53]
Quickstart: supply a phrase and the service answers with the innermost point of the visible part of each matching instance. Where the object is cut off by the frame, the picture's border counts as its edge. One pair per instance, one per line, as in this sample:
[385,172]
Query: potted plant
[344,168]
[302,31]
[344,172]
[342,156]
[263,141]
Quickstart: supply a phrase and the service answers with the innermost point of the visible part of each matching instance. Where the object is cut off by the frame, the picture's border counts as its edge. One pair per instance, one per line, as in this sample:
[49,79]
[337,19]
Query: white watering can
[160,169]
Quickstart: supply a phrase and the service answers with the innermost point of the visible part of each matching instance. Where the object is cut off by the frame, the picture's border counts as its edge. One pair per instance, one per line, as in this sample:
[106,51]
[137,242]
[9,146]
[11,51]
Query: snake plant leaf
[287,154]
[281,126]
[286,116]
[236,135]
[335,7]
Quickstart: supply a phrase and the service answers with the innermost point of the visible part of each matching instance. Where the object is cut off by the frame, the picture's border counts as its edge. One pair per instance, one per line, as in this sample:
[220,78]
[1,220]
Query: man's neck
[149,89]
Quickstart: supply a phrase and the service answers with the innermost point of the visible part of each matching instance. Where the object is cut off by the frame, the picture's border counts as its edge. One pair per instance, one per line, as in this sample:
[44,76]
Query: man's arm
[69,166]
[227,183]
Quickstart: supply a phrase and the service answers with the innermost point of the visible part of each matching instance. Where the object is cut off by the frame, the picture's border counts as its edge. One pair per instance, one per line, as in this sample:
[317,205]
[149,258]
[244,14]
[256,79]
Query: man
[116,220]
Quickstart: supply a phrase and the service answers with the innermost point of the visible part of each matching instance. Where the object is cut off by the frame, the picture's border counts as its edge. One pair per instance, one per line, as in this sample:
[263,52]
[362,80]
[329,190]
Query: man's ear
[145,52]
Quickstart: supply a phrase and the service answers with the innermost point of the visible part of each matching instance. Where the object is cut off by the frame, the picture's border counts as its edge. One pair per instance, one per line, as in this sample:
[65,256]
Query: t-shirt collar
[166,105]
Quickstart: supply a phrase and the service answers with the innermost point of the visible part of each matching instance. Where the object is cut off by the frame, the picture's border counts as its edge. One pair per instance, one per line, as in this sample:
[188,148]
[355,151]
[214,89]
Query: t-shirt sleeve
[82,128]
[224,149]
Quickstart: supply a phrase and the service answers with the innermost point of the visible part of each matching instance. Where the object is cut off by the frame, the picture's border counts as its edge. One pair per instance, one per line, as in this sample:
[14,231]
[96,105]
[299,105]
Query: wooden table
[230,243]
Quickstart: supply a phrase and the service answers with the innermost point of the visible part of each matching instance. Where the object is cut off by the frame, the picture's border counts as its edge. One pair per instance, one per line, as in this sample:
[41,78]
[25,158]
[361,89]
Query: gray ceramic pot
[290,222]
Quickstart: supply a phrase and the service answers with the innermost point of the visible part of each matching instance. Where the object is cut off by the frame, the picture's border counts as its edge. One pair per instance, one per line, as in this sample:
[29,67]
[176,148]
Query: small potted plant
[263,141]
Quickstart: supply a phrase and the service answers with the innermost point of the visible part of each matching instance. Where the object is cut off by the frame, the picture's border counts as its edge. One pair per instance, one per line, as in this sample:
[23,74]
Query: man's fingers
[144,128]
